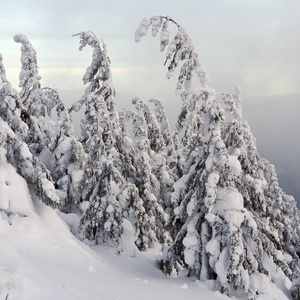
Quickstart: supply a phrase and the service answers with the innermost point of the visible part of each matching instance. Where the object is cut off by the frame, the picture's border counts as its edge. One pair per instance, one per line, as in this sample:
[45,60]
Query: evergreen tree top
[99,70]
[29,78]
[180,48]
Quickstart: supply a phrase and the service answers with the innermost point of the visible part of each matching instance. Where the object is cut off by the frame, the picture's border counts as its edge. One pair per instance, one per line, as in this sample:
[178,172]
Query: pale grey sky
[252,43]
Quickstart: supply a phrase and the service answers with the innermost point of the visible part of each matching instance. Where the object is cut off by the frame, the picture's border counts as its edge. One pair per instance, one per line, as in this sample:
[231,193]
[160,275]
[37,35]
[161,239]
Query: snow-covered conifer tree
[36,101]
[10,107]
[102,181]
[285,218]
[222,213]
[67,160]
[155,221]
[105,187]
[53,142]
[275,210]
[13,132]
[29,78]
[166,133]
[157,152]
[157,143]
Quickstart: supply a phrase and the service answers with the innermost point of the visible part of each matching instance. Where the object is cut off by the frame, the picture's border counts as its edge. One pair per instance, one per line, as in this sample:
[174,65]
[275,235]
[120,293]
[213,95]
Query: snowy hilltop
[132,208]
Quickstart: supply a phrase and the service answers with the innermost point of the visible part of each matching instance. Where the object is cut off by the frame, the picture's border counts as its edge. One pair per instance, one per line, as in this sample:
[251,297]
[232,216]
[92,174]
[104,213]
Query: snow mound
[228,199]
[234,165]
[13,200]
[41,259]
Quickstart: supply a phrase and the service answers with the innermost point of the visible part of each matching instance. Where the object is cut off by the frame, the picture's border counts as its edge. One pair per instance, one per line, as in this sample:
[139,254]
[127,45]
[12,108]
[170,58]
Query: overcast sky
[254,44]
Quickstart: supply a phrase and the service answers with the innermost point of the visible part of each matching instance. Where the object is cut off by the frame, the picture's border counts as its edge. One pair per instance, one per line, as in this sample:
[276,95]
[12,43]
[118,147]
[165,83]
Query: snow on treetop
[20,38]
[180,48]
[29,78]
[87,38]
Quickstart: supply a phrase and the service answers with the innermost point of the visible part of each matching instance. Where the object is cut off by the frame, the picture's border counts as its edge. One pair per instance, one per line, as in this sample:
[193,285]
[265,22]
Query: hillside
[41,259]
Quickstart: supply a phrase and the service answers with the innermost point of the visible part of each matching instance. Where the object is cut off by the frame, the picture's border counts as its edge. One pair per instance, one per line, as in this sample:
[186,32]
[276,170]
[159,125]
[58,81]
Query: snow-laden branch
[180,48]
[99,70]
[98,74]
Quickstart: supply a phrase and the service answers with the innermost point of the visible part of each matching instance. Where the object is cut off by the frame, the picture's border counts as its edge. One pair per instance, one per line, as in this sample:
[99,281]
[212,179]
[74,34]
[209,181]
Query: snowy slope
[41,259]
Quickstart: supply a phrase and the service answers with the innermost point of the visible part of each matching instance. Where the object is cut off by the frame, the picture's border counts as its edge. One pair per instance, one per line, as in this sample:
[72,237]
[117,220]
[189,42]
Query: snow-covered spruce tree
[162,119]
[285,220]
[113,204]
[275,212]
[157,152]
[60,150]
[155,221]
[10,108]
[30,168]
[13,131]
[157,143]
[29,78]
[151,221]
[53,142]
[67,160]
[175,53]
[36,102]
[221,222]
[99,79]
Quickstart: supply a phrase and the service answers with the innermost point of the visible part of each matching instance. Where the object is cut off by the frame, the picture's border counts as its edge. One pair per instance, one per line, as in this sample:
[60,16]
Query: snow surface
[228,199]
[41,259]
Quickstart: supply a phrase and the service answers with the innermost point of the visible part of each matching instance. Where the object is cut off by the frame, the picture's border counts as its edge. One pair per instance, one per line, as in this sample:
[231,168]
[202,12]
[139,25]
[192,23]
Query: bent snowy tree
[114,210]
[12,138]
[227,225]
